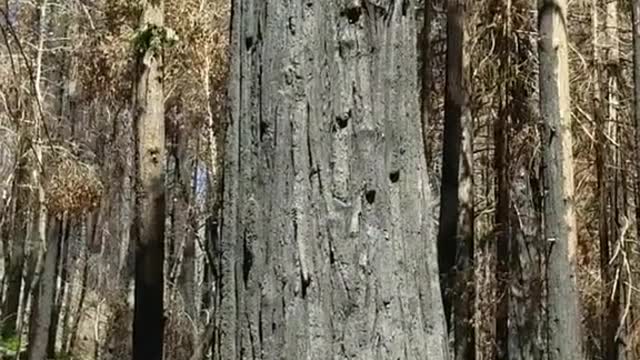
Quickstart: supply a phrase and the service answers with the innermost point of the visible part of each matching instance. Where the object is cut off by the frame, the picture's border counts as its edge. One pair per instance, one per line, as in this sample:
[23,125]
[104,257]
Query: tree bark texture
[503,179]
[19,227]
[564,323]
[60,271]
[183,203]
[426,73]
[611,174]
[635,7]
[44,296]
[526,325]
[455,232]
[149,224]
[327,250]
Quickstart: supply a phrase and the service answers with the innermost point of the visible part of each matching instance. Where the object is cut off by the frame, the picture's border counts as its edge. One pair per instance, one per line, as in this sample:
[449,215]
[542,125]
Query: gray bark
[564,324]
[20,224]
[44,296]
[327,248]
[149,223]
[502,140]
[612,175]
[527,286]
[526,310]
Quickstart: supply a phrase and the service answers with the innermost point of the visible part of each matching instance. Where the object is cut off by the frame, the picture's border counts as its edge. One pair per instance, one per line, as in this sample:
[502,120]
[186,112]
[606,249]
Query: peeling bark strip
[327,250]
[564,325]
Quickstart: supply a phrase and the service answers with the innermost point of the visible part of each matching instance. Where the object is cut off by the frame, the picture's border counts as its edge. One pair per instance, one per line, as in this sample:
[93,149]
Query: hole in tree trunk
[394,176]
[343,119]
[370,195]
[263,129]
[352,14]
[342,122]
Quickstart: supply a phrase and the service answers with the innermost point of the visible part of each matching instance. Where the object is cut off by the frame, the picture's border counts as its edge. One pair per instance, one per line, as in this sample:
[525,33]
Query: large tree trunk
[148,227]
[564,327]
[327,247]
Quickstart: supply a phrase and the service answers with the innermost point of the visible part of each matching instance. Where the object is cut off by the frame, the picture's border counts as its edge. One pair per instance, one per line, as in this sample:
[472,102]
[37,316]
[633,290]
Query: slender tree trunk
[68,289]
[60,272]
[44,247]
[326,241]
[449,234]
[44,297]
[18,241]
[77,317]
[464,328]
[635,11]
[183,204]
[564,325]
[503,201]
[611,215]
[455,234]
[601,176]
[148,323]
[215,142]
[526,294]
[464,331]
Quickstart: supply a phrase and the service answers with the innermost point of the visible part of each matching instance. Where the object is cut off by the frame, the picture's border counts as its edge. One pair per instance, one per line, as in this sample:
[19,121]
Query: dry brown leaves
[70,185]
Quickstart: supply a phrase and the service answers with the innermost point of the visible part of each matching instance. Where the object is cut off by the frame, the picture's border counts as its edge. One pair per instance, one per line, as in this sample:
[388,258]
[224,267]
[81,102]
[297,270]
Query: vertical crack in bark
[260,335]
[247,260]
[252,343]
[312,168]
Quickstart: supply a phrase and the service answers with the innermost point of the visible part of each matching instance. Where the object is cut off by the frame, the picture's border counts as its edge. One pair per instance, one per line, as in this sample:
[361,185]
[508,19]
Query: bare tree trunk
[526,273]
[60,272]
[149,224]
[455,233]
[18,241]
[564,325]
[503,201]
[464,309]
[68,289]
[327,238]
[77,317]
[44,296]
[635,8]
[610,202]
[43,291]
